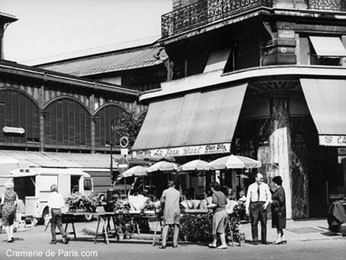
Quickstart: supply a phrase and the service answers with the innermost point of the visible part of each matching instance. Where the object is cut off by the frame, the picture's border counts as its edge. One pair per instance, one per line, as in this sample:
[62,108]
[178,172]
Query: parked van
[33,187]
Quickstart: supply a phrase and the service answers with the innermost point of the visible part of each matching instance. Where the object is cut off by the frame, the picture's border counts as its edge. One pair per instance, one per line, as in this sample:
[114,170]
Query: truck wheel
[45,216]
[102,198]
[88,217]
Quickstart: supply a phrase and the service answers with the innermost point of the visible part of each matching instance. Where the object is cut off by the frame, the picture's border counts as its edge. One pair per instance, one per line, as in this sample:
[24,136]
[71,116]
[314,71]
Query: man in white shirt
[55,204]
[257,201]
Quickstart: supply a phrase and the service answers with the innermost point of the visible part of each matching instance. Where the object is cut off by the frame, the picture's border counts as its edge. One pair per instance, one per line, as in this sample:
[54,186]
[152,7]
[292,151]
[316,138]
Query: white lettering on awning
[184,151]
[332,140]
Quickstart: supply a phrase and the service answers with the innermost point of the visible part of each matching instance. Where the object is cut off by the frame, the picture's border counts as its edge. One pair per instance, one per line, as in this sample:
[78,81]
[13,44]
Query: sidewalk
[296,230]
[299,230]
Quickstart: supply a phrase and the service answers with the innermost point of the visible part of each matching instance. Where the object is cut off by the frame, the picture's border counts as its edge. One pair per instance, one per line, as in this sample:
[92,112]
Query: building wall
[59,117]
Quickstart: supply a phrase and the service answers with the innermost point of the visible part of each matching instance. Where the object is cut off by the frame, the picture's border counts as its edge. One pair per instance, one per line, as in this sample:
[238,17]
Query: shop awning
[326,102]
[57,160]
[194,123]
[328,46]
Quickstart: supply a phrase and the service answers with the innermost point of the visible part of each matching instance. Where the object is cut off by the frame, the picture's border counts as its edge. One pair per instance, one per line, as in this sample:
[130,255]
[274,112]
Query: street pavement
[307,239]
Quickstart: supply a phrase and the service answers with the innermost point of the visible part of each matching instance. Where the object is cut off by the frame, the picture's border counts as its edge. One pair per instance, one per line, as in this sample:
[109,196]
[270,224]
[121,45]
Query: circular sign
[124,141]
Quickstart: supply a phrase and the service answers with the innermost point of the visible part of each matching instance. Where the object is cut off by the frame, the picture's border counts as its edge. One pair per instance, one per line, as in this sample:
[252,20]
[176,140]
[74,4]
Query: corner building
[264,79]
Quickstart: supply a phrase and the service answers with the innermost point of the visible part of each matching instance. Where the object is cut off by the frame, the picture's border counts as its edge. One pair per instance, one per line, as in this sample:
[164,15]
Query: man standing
[170,202]
[257,200]
[55,203]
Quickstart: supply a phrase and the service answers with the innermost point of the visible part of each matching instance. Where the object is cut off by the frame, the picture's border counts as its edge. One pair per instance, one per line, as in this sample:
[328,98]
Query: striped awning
[199,121]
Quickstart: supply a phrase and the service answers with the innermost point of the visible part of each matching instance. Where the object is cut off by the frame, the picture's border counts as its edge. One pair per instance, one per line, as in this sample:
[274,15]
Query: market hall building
[264,79]
[53,119]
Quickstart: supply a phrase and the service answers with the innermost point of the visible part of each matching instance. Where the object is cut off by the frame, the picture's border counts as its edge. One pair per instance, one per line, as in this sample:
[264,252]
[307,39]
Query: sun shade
[326,102]
[198,118]
[328,46]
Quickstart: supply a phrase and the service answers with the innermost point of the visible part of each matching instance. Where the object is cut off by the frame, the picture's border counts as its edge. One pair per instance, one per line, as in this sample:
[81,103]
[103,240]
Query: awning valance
[328,46]
[326,102]
[191,121]
[56,160]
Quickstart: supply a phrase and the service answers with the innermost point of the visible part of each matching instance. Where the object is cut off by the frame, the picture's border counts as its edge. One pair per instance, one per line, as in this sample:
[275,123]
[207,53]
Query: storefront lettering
[332,140]
[341,140]
[143,153]
[192,150]
[158,152]
[172,152]
[184,151]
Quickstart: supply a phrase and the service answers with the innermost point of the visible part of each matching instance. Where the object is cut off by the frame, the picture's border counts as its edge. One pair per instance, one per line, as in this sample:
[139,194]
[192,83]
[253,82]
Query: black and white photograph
[173,129]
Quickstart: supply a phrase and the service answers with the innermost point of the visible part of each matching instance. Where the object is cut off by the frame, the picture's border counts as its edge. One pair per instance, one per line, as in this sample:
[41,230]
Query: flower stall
[82,203]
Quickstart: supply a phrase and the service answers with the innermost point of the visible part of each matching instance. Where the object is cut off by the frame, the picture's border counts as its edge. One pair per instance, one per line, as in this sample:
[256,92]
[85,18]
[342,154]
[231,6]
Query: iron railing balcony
[209,11]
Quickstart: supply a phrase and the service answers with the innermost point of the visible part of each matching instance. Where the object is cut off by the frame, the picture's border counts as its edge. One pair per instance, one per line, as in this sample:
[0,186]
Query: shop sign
[287,34]
[13,130]
[342,151]
[184,151]
[332,140]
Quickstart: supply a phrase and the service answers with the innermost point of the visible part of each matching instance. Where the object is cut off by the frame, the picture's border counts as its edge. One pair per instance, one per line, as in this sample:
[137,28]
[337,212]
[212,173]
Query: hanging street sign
[13,130]
[124,142]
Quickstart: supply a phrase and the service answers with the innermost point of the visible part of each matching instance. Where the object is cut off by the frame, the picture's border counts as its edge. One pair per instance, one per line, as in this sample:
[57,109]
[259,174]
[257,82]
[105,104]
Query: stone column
[280,145]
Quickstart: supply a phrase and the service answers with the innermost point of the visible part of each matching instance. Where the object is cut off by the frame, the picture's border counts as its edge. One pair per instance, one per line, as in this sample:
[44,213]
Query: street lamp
[111,143]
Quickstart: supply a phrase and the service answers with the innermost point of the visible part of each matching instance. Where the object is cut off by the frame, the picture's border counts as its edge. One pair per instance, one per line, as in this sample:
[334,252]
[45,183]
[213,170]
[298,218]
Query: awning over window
[217,60]
[326,102]
[195,123]
[328,46]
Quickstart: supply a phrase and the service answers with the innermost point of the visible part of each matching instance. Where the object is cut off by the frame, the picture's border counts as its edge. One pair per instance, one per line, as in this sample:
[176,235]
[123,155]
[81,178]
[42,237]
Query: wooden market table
[106,220]
[70,217]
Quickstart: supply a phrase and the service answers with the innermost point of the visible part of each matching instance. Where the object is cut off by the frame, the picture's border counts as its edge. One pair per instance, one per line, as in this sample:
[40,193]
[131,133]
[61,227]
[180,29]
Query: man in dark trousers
[170,201]
[55,204]
[257,201]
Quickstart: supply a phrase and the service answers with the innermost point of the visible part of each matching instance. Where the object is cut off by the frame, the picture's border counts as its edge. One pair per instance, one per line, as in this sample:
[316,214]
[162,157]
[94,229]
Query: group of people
[9,205]
[258,199]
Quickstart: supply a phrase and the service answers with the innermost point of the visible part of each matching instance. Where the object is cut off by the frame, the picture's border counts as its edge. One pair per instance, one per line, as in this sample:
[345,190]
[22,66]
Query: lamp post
[111,143]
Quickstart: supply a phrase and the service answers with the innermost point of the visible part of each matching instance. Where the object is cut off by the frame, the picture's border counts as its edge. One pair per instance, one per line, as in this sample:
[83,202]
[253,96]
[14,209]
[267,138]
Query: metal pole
[111,144]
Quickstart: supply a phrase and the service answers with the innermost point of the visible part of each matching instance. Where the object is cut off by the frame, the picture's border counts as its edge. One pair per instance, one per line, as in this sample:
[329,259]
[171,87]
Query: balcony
[206,12]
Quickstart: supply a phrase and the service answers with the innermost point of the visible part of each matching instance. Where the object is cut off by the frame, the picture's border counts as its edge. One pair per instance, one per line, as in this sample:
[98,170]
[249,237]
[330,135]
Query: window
[87,184]
[327,51]
[75,183]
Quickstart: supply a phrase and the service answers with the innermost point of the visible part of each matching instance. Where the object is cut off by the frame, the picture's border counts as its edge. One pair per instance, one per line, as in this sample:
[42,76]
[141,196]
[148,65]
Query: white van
[33,187]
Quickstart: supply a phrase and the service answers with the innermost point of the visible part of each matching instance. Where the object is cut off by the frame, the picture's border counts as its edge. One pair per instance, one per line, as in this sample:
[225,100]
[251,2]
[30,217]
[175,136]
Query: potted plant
[120,231]
[82,203]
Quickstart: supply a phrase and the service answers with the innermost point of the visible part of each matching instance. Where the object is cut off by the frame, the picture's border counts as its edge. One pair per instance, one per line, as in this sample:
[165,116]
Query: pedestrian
[220,217]
[242,206]
[170,203]
[279,210]
[9,202]
[257,201]
[55,204]
[231,202]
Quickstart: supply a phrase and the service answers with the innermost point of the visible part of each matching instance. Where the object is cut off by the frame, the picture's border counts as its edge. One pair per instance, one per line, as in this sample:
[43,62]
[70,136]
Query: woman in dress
[9,203]
[220,216]
[279,210]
